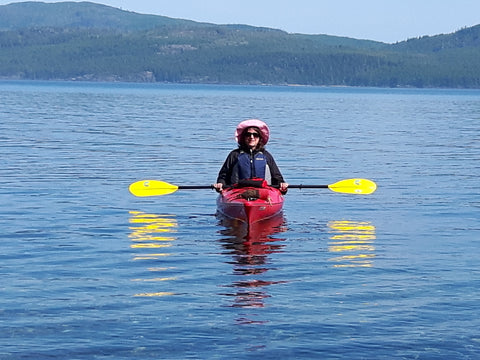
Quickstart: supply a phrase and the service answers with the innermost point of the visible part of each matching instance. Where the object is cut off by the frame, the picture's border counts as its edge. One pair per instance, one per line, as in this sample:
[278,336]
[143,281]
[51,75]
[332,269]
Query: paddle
[347,186]
[156,187]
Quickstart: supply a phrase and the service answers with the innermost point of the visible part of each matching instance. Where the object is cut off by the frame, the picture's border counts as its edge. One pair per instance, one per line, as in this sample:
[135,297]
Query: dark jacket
[228,174]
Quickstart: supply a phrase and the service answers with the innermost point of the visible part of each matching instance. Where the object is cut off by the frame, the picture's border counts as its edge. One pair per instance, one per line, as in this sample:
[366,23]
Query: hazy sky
[381,20]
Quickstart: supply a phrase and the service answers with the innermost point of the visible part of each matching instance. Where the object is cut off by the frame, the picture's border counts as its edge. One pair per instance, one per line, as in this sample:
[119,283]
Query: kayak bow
[250,204]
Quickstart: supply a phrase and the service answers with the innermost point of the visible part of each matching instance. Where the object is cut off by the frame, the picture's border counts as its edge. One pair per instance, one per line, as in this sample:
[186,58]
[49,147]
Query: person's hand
[218,187]
[283,187]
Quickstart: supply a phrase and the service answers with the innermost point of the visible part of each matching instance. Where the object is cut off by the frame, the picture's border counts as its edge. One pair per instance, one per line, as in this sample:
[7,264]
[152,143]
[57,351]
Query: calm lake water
[91,272]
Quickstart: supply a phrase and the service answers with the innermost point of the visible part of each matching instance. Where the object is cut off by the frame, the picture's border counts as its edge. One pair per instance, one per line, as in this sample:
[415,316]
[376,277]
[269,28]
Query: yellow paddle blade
[354,186]
[151,188]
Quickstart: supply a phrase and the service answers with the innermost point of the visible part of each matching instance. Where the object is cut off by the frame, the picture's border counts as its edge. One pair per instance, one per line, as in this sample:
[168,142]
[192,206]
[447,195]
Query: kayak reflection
[250,247]
[151,235]
[353,241]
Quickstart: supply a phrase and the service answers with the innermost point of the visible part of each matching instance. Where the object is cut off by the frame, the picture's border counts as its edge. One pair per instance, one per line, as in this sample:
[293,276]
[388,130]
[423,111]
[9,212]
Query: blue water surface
[91,272]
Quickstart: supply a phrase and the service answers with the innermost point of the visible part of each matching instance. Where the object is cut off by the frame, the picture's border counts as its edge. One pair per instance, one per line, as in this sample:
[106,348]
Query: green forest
[92,42]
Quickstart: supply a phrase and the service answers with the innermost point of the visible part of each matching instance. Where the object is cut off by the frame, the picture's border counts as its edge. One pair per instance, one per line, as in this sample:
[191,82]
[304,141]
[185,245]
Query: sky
[381,20]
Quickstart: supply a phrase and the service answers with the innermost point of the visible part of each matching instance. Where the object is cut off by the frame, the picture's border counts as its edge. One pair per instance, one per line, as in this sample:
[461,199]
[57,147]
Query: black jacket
[227,171]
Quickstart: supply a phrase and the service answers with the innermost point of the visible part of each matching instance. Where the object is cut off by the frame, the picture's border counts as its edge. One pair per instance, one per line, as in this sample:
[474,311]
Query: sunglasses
[254,134]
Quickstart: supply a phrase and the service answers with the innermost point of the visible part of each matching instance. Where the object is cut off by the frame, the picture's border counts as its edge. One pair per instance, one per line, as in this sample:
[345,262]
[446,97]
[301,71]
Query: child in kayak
[250,160]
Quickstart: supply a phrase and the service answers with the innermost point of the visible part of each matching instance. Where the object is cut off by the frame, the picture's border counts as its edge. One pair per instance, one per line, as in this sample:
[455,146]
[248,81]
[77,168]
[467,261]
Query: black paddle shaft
[194,187]
[307,186]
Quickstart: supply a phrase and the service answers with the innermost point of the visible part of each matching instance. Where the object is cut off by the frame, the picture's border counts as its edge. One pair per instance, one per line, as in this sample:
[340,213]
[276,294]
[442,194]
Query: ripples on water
[89,271]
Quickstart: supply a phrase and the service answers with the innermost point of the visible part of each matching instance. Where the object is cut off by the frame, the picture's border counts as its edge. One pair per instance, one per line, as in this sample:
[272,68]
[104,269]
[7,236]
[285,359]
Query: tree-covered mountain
[87,41]
[78,15]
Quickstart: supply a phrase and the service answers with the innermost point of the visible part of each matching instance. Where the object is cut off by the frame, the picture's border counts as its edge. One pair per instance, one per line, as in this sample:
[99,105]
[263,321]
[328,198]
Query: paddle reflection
[354,240]
[151,235]
[250,249]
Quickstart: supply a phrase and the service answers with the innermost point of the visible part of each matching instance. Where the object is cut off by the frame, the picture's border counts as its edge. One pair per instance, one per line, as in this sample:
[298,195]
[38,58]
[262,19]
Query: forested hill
[87,41]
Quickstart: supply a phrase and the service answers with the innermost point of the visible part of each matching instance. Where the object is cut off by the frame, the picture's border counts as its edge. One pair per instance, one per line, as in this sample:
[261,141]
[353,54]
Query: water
[91,272]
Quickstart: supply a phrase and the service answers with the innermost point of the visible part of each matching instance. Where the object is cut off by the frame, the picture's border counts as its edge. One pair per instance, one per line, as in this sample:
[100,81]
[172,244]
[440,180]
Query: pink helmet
[264,130]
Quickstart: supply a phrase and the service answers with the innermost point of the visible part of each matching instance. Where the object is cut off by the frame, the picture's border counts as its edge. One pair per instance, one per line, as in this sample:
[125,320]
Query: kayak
[250,204]
[249,236]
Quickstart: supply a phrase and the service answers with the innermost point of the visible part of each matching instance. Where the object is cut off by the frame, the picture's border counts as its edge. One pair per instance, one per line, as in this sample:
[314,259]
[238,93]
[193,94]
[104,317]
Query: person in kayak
[250,160]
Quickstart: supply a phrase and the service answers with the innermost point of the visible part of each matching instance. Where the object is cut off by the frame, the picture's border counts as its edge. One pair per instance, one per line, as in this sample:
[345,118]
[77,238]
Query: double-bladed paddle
[156,187]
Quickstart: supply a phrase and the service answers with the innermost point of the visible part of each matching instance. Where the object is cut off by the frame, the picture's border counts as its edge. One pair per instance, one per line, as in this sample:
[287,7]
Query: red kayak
[250,204]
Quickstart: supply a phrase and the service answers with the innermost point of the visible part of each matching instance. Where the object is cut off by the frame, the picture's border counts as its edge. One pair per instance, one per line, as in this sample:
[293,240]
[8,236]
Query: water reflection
[250,248]
[151,235]
[353,241]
